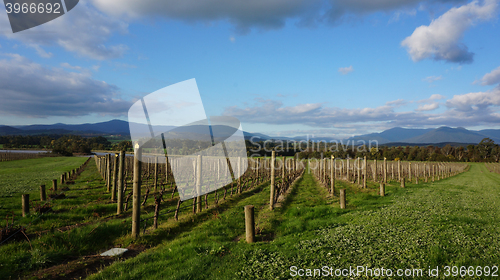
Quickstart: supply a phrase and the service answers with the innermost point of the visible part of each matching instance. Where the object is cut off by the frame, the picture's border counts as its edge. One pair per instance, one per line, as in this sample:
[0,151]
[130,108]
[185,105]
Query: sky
[283,67]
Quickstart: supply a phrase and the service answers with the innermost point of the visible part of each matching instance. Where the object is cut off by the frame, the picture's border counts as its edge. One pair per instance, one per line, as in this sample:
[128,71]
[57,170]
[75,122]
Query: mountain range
[393,135]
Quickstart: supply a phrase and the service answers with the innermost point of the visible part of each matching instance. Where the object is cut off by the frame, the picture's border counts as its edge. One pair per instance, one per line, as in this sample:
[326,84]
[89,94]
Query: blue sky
[322,67]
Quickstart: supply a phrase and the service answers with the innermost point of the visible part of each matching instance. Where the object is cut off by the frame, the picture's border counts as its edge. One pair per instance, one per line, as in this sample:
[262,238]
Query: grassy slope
[25,176]
[451,222]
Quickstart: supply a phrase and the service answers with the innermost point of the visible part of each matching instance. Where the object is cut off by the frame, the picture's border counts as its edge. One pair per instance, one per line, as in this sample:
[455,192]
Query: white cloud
[232,39]
[41,52]
[28,89]
[437,97]
[432,79]
[428,107]
[346,70]
[472,109]
[440,40]
[84,31]
[491,78]
[475,100]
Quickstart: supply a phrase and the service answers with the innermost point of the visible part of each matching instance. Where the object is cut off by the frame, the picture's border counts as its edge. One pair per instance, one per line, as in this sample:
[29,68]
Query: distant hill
[398,135]
[405,136]
[9,130]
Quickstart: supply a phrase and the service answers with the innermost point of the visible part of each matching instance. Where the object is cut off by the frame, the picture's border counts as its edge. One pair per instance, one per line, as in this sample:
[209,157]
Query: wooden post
[271,199]
[359,171]
[382,189]
[375,170]
[62,179]
[108,172]
[385,170]
[332,176]
[249,223]
[26,204]
[121,165]
[54,185]
[347,170]
[399,170]
[43,196]
[409,171]
[365,167]
[198,183]
[156,174]
[403,182]
[136,201]
[115,178]
[342,198]
[239,175]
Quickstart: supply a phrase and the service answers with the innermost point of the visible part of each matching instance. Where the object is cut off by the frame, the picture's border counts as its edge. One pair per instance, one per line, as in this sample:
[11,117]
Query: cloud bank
[28,89]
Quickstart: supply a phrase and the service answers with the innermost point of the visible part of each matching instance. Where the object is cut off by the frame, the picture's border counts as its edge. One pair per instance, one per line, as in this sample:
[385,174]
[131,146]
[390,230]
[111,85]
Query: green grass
[454,221]
[25,176]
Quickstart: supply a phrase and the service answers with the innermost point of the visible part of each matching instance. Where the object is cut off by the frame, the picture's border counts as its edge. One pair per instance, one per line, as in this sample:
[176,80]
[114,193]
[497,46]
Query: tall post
[198,182]
[54,185]
[108,172]
[136,201]
[365,167]
[271,199]
[156,174]
[249,223]
[332,176]
[409,171]
[375,170]
[239,175]
[359,171]
[347,170]
[115,177]
[385,170]
[399,169]
[382,189]
[121,165]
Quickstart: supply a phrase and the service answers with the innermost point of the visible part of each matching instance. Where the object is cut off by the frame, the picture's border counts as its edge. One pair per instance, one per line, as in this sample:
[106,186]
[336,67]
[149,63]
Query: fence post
[115,177]
[342,198]
[271,200]
[249,223]
[365,167]
[385,170]
[108,172]
[403,182]
[198,183]
[54,185]
[26,204]
[62,179]
[136,201]
[332,176]
[43,196]
[121,165]
[382,189]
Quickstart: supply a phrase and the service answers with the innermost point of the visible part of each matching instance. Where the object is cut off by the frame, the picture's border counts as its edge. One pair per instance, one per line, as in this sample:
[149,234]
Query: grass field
[449,222]
[25,176]
[453,222]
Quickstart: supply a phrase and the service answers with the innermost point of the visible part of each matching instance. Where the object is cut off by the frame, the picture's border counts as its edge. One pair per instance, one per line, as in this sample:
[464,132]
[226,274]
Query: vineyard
[118,201]
[8,156]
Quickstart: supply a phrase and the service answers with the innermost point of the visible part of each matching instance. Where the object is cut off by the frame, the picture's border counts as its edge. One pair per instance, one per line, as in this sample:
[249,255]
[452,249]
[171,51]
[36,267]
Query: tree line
[485,151]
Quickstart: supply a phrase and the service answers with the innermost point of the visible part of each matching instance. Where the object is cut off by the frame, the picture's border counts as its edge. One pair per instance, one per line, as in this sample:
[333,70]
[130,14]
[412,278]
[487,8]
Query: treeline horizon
[485,151]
